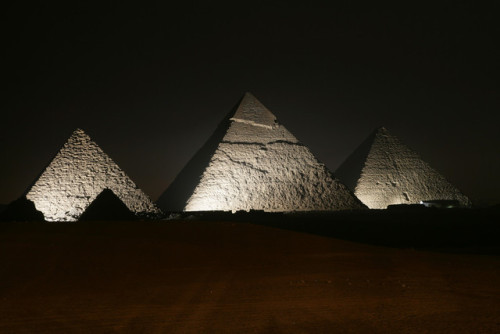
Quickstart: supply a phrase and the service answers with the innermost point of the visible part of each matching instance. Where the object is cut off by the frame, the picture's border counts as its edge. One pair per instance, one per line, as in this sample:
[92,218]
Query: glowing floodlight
[79,172]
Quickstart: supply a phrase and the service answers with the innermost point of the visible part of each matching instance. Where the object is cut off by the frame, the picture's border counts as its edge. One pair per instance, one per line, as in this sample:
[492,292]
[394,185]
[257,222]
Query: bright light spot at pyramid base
[60,210]
[374,201]
[210,200]
[206,204]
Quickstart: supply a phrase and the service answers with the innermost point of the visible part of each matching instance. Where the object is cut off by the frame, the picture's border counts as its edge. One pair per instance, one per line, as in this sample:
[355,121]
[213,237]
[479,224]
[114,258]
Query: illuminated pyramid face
[253,163]
[77,175]
[383,171]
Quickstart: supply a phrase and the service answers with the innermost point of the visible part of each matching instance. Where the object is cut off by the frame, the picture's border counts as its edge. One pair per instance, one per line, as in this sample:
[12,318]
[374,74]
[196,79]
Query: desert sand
[233,277]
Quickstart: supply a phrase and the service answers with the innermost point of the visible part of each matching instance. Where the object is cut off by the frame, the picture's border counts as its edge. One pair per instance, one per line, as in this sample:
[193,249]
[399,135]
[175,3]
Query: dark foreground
[226,277]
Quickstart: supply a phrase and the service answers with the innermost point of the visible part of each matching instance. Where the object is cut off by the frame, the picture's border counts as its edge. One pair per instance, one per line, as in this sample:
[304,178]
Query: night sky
[150,84]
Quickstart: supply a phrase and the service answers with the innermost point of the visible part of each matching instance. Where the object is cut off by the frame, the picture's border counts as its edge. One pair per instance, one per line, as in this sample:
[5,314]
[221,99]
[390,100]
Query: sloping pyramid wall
[383,171]
[253,163]
[79,172]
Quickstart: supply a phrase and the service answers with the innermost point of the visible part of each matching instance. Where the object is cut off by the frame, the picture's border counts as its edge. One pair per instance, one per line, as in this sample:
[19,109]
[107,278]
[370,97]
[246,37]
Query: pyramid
[252,162]
[382,171]
[78,173]
[107,206]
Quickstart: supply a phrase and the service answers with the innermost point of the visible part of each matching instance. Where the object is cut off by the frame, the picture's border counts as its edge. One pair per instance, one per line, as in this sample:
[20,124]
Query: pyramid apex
[79,132]
[79,136]
[252,111]
[249,94]
[381,131]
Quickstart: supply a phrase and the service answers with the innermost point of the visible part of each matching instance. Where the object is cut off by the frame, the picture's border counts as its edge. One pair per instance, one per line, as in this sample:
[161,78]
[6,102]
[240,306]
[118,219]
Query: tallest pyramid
[252,162]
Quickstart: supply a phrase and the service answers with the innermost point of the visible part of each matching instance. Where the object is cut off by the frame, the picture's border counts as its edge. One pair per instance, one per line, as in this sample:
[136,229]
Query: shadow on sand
[475,231]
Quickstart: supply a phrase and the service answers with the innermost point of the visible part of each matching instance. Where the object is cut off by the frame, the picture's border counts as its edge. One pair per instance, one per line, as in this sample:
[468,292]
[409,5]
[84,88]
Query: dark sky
[149,84]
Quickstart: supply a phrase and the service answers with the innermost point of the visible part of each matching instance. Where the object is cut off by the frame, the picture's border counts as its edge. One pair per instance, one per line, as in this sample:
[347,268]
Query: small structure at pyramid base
[441,204]
[107,206]
[21,209]
[77,175]
[382,171]
[252,162]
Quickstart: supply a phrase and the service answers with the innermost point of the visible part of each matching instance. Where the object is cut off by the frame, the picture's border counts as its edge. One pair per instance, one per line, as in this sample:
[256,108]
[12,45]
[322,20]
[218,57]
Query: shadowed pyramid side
[349,171]
[175,197]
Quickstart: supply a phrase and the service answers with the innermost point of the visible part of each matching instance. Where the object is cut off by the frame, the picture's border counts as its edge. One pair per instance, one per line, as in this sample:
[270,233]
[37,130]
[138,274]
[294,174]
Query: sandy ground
[221,277]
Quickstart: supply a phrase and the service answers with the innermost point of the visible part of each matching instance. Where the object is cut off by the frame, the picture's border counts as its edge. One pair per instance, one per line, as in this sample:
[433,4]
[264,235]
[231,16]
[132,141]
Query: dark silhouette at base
[22,209]
[449,230]
[107,206]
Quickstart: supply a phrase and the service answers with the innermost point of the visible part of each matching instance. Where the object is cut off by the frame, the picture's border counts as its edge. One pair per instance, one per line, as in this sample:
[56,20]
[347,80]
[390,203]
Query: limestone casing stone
[78,173]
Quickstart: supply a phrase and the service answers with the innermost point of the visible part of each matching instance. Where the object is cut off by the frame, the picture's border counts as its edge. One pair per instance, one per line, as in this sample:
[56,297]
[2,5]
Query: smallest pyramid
[107,206]
[383,171]
[77,175]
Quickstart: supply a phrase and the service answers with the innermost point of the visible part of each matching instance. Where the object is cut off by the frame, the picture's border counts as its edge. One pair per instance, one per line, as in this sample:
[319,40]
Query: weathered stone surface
[383,171]
[79,172]
[258,165]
